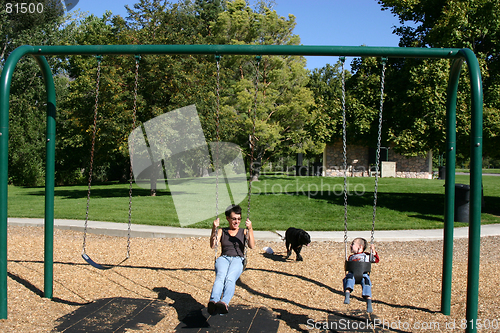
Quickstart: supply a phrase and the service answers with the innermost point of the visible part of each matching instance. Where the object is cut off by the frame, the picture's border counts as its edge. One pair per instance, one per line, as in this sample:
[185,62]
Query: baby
[358,247]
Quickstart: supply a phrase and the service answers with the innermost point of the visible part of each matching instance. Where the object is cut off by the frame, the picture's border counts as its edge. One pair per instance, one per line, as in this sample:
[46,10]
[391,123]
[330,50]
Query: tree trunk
[255,168]
[154,177]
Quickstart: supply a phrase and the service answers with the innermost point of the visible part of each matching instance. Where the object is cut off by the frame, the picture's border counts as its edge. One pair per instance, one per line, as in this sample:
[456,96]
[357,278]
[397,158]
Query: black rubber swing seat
[358,268]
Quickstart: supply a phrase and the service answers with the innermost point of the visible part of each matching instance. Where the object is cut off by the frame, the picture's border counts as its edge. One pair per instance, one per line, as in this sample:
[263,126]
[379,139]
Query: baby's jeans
[366,284]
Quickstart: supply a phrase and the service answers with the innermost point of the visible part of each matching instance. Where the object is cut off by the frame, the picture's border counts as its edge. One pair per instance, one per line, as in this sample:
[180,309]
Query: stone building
[361,161]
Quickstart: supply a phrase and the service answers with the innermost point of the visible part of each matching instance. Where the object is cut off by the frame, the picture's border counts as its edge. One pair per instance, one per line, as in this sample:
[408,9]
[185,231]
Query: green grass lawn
[278,202]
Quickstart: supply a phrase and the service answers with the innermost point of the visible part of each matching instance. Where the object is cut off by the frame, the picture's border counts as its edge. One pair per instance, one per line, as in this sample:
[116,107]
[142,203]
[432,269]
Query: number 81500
[24,8]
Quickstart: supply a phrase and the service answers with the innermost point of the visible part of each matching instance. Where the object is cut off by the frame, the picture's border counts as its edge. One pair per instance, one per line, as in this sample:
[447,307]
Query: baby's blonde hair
[362,240]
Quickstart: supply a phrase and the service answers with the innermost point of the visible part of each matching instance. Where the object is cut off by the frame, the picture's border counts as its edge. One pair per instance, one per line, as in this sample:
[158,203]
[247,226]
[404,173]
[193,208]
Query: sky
[319,22]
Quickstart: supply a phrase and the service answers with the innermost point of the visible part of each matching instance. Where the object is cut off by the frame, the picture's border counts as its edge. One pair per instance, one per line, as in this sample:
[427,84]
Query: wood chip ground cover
[165,280]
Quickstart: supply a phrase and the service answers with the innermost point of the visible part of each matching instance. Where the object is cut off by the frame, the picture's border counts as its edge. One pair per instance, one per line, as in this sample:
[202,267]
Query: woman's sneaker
[222,307]
[211,308]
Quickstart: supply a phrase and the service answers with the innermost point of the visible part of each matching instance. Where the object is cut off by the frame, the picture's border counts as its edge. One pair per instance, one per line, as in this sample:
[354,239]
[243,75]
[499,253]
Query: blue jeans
[366,284]
[227,272]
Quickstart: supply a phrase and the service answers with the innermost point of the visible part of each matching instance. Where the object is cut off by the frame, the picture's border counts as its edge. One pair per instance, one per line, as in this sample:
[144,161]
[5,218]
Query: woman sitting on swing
[229,266]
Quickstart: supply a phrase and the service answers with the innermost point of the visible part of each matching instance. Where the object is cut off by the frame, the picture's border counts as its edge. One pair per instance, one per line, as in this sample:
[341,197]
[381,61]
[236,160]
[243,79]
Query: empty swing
[252,142]
[358,268]
[85,256]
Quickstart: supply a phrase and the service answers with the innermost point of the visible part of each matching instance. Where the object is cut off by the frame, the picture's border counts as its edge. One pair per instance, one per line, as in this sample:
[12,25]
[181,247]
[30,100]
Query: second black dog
[295,239]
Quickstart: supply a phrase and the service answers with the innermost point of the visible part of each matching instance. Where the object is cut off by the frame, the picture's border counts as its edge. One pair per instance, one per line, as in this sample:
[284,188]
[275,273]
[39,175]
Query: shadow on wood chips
[239,319]
[193,316]
[112,315]
[119,314]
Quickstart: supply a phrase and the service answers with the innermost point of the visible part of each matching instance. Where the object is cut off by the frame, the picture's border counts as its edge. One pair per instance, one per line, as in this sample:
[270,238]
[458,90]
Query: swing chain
[217,138]
[252,148]
[344,143]
[99,59]
[217,131]
[252,138]
[379,140]
[134,120]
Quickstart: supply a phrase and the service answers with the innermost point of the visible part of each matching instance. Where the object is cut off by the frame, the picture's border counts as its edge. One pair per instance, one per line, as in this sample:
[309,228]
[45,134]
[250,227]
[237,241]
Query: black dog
[295,239]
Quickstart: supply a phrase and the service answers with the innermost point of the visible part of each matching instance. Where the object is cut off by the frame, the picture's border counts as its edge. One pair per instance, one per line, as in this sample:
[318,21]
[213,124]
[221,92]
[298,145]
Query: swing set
[458,57]
[85,256]
[358,268]
[217,155]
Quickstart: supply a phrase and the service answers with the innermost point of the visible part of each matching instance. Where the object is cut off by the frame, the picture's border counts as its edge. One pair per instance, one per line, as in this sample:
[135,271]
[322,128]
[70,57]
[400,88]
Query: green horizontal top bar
[304,50]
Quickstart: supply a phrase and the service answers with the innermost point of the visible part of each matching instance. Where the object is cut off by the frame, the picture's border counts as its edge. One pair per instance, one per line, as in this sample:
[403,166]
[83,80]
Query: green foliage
[165,83]
[362,102]
[76,111]
[326,85]
[471,24]
[280,103]
[284,104]
[417,117]
[27,94]
[17,28]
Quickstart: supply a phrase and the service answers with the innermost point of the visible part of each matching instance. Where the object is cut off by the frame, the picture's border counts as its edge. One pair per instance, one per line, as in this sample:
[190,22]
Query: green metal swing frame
[459,56]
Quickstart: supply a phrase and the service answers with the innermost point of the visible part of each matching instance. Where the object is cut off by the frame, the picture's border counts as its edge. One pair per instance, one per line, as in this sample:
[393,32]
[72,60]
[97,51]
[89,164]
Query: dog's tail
[282,237]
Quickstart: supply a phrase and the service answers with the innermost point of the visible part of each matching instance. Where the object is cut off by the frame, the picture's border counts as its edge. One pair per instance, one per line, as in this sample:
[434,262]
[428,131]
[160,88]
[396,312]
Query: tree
[282,108]
[326,85]
[27,94]
[115,105]
[16,24]
[362,102]
[446,23]
[168,82]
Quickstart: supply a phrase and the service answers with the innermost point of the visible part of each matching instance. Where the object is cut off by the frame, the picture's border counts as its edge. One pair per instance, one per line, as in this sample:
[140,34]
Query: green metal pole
[476,153]
[449,207]
[5,81]
[305,50]
[50,150]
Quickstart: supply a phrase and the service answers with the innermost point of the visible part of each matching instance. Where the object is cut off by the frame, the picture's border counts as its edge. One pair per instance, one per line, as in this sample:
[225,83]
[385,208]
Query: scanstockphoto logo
[69,4]
[203,178]
[311,190]
[64,5]
[172,149]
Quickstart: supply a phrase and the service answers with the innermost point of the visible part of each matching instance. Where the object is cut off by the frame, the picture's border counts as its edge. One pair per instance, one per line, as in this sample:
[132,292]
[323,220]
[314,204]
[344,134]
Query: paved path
[149,231]
[484,174]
